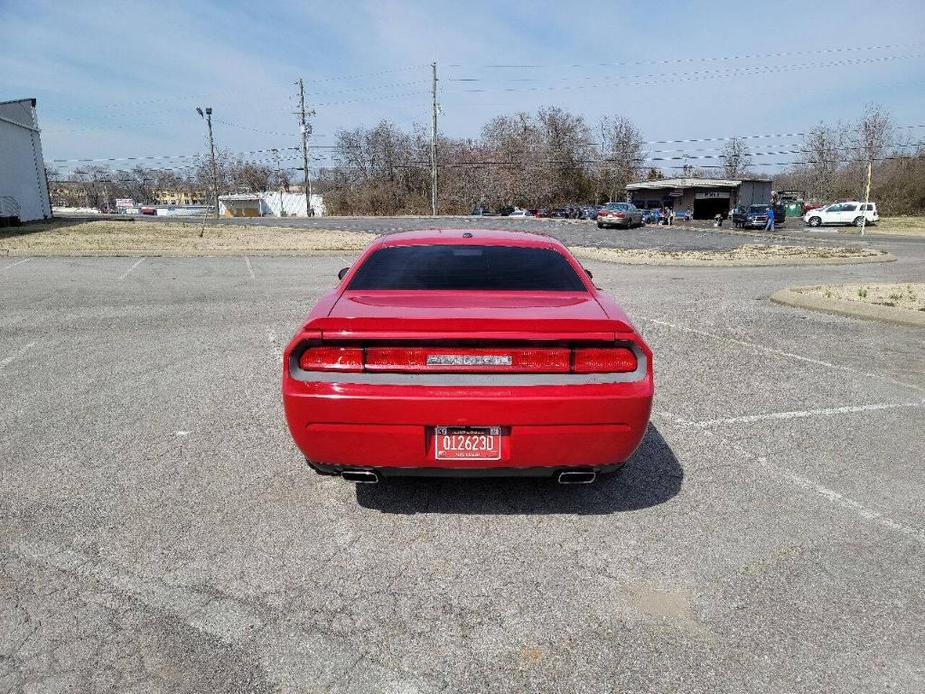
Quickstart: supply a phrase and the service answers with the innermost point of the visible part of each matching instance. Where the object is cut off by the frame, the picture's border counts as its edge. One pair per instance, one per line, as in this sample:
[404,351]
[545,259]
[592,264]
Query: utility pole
[433,145]
[866,199]
[279,182]
[208,117]
[306,130]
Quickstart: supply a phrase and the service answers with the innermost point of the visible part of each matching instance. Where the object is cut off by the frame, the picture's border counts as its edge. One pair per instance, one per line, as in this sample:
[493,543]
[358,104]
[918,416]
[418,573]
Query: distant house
[181,197]
[23,184]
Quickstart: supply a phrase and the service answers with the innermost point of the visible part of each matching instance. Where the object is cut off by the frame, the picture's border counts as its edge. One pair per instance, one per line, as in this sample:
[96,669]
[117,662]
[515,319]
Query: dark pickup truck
[756,216]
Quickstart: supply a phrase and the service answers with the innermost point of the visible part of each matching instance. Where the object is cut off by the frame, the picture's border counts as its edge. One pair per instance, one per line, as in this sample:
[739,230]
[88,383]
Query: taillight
[463,359]
[604,360]
[330,358]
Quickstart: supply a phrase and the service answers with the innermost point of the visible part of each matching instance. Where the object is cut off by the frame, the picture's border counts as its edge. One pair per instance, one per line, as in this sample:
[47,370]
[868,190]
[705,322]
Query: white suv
[843,213]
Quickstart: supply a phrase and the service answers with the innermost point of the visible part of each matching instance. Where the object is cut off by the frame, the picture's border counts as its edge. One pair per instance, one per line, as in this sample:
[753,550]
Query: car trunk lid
[386,314]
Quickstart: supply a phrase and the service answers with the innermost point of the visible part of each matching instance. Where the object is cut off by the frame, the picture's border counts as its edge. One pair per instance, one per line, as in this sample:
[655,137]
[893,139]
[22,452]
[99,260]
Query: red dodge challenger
[460,352]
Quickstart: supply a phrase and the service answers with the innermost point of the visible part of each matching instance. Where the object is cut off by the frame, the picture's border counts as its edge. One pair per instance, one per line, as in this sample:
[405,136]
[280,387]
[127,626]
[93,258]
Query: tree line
[547,159]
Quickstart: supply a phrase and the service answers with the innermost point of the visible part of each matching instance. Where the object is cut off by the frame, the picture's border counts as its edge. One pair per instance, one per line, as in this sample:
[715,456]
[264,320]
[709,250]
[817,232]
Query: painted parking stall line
[800,414]
[12,265]
[806,484]
[778,352]
[6,361]
[250,269]
[131,269]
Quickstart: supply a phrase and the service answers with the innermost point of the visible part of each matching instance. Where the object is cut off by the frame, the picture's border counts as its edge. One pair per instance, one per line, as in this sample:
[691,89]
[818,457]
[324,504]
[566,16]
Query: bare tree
[621,154]
[736,157]
[824,145]
[870,140]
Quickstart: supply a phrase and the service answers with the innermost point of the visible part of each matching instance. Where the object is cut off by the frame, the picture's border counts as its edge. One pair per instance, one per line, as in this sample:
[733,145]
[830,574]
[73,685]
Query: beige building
[181,197]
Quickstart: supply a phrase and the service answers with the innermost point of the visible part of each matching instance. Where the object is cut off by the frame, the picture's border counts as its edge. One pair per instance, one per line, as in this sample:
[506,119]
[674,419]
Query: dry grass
[907,295]
[748,254]
[905,226]
[107,237]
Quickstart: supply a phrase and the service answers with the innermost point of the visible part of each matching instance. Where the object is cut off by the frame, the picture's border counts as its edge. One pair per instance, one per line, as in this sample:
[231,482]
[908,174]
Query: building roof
[690,183]
[240,196]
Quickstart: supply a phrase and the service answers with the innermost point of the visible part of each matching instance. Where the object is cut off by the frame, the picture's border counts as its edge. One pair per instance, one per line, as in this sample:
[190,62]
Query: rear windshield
[467,267]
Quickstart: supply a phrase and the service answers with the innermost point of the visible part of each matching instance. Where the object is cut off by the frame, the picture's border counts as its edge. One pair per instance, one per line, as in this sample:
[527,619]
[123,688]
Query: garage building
[705,197]
[23,185]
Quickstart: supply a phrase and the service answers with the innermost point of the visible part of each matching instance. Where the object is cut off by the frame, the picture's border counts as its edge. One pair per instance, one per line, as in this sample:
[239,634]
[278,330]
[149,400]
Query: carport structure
[704,197]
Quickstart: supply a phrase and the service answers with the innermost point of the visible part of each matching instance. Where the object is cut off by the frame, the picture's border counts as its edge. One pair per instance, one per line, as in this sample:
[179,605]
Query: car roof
[496,237]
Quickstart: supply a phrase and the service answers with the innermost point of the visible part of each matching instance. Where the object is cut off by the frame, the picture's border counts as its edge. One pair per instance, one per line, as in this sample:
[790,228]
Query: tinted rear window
[467,267]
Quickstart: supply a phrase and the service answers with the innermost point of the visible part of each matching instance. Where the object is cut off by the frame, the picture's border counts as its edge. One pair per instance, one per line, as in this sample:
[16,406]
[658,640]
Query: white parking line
[12,265]
[798,414]
[6,361]
[274,345]
[247,261]
[809,485]
[778,352]
[128,272]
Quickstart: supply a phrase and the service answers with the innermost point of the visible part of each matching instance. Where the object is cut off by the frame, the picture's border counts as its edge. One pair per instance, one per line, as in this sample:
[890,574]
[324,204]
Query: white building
[268,204]
[23,185]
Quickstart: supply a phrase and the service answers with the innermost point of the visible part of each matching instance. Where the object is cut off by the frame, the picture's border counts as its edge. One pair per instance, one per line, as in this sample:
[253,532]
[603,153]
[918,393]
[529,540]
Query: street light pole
[208,118]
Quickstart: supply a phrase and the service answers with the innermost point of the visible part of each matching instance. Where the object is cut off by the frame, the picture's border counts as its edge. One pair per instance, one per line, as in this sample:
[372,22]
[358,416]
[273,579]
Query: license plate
[477,443]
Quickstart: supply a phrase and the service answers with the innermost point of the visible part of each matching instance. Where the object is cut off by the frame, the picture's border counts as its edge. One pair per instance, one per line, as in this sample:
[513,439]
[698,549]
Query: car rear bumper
[391,428]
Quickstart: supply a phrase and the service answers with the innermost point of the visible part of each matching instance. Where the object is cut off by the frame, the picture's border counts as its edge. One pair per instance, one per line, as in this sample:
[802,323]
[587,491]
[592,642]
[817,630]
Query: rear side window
[467,267]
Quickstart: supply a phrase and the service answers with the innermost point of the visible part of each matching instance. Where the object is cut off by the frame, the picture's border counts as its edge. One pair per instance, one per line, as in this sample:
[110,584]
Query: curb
[852,309]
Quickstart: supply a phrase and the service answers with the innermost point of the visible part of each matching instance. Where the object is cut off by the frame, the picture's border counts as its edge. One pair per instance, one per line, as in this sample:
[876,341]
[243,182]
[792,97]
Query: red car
[467,353]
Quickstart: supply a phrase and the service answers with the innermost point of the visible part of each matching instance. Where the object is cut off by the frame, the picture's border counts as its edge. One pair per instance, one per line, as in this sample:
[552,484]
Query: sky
[123,79]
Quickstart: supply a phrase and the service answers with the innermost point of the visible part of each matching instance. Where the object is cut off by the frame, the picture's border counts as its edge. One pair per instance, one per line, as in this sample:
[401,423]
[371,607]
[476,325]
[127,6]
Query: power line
[699,59]
[696,76]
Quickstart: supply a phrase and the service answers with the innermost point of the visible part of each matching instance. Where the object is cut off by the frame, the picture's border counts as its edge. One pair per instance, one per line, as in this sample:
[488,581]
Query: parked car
[551,378]
[653,216]
[589,212]
[480,211]
[683,215]
[843,213]
[624,214]
[506,211]
[756,216]
[520,212]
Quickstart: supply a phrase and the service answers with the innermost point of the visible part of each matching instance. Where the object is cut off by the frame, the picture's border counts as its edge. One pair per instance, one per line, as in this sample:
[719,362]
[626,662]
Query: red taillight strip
[461,360]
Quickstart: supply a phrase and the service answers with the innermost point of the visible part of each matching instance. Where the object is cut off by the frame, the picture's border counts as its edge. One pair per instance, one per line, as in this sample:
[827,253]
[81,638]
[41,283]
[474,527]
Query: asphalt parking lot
[161,533]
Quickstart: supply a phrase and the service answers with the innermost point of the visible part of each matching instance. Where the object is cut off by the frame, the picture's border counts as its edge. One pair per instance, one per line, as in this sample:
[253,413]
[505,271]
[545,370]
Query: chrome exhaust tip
[577,477]
[361,476]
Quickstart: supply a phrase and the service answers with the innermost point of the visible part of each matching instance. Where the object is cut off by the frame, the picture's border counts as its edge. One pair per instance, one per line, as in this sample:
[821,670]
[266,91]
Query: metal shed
[23,184]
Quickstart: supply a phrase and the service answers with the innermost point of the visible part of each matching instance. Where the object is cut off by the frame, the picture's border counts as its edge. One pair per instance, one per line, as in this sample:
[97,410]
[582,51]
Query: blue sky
[123,79]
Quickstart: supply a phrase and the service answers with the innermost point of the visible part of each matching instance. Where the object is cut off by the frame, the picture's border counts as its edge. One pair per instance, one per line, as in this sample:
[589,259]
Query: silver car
[622,214]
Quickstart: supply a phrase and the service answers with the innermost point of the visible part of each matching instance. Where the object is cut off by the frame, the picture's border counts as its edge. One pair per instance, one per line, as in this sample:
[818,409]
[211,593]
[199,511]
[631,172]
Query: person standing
[770,225]
[670,216]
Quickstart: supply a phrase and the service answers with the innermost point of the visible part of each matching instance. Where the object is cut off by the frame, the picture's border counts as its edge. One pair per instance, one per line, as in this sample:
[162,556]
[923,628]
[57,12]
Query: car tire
[858,221]
[600,225]
[815,221]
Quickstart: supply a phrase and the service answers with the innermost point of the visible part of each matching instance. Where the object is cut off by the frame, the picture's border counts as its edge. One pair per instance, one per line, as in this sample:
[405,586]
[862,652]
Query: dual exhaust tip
[564,477]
